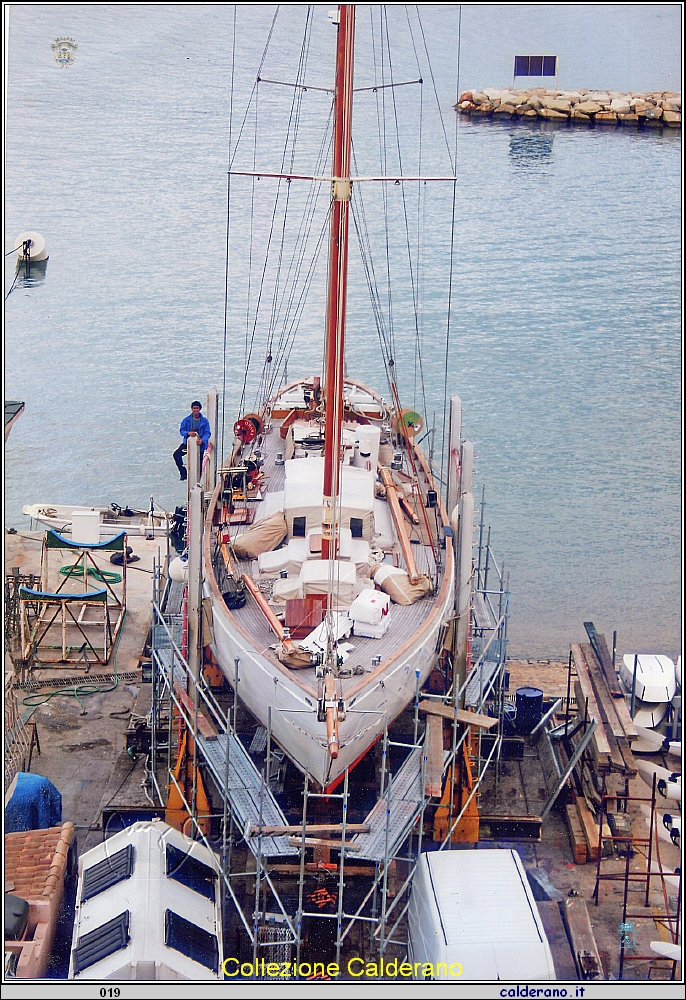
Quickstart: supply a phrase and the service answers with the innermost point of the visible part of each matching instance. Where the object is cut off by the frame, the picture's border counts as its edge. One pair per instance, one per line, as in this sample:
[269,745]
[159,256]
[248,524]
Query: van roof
[482,896]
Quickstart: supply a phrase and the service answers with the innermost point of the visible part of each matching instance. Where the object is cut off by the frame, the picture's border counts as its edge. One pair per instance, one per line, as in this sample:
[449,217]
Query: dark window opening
[299,527]
[191,940]
[190,872]
[356,524]
[107,873]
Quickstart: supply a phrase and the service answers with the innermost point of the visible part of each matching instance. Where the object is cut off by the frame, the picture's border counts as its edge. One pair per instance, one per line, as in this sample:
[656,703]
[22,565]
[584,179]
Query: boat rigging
[326,513]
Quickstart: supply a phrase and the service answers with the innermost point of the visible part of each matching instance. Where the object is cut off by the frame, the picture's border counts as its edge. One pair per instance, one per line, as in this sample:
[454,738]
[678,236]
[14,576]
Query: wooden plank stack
[611,742]
[576,834]
[608,760]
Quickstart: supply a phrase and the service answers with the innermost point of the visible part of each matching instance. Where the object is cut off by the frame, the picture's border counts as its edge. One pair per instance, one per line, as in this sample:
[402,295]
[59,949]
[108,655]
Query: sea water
[565,325]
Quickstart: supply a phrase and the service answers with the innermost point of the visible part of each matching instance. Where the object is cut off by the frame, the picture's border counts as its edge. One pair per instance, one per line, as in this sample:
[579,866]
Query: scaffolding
[363,895]
[626,844]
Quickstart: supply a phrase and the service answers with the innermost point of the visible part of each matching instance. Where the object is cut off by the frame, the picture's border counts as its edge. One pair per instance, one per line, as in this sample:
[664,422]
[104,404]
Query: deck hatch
[107,873]
[190,872]
[192,941]
[103,941]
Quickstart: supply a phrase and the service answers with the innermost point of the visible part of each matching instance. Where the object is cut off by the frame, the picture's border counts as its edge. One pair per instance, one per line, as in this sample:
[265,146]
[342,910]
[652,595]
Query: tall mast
[338,276]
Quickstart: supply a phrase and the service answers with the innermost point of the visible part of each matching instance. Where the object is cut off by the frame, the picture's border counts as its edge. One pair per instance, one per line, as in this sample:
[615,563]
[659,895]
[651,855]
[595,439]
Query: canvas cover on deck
[314,577]
[396,583]
[304,488]
[262,537]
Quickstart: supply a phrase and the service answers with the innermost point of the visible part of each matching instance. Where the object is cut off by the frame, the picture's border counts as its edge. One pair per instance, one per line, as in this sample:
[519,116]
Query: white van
[472,916]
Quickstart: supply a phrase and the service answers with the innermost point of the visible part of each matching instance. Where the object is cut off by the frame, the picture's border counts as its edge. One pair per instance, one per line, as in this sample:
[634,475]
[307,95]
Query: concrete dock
[78,751]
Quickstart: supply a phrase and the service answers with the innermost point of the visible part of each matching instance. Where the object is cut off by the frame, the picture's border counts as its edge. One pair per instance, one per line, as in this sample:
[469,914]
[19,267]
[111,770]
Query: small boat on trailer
[148,907]
[94,524]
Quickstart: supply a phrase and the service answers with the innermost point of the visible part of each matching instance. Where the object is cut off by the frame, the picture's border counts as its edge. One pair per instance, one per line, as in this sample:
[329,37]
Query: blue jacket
[203,430]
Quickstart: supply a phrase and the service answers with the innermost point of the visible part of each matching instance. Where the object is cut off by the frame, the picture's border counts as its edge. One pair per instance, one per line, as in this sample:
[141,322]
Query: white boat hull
[59,518]
[668,786]
[655,676]
[264,683]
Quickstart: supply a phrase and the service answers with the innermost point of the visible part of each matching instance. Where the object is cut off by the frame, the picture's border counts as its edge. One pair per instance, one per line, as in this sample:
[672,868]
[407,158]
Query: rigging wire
[294,120]
[421,204]
[384,161]
[295,104]
[453,160]
[231,158]
[301,303]
[407,233]
[452,262]
[293,310]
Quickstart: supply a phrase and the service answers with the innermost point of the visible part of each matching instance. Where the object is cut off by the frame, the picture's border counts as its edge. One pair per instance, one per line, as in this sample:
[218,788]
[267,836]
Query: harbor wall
[656,109]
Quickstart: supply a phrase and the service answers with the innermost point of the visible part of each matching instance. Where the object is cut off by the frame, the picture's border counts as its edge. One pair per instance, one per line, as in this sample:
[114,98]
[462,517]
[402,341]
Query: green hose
[103,575]
[79,691]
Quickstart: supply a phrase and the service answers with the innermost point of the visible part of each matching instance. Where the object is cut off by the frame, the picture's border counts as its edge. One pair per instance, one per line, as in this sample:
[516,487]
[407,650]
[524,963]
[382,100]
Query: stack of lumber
[584,832]
[581,938]
[608,759]
[599,697]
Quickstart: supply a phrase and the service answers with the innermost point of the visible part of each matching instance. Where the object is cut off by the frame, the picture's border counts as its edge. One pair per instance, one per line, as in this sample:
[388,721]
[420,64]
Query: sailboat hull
[370,702]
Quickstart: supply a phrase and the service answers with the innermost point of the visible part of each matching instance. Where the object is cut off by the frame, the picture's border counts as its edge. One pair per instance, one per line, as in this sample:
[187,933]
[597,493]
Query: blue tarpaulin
[35,805]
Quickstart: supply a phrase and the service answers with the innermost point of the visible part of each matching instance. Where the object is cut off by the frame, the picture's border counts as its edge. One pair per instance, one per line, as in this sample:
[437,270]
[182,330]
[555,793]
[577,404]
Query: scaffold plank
[251,802]
[392,817]
[249,799]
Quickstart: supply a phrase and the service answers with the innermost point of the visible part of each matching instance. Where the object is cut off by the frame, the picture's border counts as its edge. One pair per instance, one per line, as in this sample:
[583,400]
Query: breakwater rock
[606,107]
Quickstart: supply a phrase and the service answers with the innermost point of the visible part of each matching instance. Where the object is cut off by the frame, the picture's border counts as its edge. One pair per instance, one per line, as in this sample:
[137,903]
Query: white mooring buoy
[37,250]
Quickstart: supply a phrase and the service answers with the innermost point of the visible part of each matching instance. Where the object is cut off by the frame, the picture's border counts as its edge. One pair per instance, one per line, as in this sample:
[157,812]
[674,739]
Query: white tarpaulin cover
[304,488]
[314,577]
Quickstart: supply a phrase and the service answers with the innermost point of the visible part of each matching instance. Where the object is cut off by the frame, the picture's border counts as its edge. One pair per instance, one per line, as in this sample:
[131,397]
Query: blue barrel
[529,709]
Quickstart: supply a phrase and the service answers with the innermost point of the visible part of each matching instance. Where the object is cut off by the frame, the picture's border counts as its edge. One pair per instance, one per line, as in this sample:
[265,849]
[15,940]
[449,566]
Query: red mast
[338,276]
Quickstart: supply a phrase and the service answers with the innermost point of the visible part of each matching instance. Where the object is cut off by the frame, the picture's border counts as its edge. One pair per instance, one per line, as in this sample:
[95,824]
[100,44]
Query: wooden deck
[405,621]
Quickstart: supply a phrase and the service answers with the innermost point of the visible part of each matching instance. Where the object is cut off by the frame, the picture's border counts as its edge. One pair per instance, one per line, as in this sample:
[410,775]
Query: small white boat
[148,906]
[647,714]
[655,676]
[665,949]
[95,523]
[668,782]
[672,823]
[675,748]
[648,740]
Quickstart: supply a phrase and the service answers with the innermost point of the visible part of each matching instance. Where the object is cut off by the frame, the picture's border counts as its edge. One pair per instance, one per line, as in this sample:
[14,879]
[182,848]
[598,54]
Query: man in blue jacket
[194,425]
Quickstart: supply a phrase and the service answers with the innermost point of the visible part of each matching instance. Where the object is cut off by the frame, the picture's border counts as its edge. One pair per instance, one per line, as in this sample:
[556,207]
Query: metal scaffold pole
[301,879]
[341,868]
